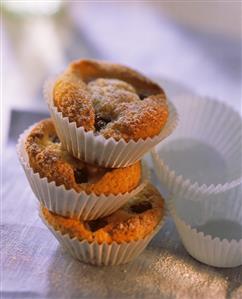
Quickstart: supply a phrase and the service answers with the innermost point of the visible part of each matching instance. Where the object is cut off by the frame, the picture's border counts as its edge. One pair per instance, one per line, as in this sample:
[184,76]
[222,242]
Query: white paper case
[102,254]
[211,228]
[68,202]
[204,154]
[98,150]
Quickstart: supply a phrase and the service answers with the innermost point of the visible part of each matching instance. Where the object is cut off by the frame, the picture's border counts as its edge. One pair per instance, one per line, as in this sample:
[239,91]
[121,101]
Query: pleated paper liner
[204,154]
[211,227]
[69,202]
[95,149]
[103,254]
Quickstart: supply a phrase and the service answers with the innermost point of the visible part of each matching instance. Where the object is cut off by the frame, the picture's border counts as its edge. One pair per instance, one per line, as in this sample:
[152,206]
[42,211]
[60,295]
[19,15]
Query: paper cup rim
[81,242]
[195,186]
[144,177]
[189,182]
[48,87]
[176,217]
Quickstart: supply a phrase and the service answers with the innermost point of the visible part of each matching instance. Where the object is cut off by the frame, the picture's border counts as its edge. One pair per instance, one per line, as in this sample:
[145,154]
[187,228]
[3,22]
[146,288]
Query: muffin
[50,160]
[108,114]
[111,100]
[70,187]
[104,240]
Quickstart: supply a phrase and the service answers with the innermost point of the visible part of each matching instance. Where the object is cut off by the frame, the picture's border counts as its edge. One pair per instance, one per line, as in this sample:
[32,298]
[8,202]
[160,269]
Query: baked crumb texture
[111,100]
[50,160]
[134,221]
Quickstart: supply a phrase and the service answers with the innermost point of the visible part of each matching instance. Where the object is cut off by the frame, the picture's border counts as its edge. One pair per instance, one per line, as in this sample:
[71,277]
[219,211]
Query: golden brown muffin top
[51,160]
[111,100]
[134,221]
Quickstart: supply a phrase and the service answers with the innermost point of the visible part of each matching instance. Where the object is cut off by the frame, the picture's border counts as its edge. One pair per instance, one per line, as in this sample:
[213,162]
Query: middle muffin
[68,186]
[50,160]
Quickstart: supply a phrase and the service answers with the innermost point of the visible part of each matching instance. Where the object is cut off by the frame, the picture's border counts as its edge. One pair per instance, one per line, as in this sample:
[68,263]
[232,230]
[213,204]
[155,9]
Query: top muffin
[111,100]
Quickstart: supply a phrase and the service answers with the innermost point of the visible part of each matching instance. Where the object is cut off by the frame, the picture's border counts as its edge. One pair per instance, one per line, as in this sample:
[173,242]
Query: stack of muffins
[84,164]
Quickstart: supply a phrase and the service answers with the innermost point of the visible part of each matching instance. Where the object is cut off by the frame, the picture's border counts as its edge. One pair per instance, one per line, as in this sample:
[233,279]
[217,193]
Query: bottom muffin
[114,239]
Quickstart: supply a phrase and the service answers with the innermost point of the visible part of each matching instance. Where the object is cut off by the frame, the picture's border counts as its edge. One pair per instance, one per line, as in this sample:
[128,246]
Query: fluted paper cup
[102,254]
[69,202]
[95,149]
[204,154]
[211,229]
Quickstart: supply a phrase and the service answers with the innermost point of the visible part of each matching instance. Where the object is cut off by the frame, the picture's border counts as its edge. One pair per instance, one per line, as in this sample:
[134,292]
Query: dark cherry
[81,175]
[55,139]
[101,122]
[142,96]
[141,207]
[95,225]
